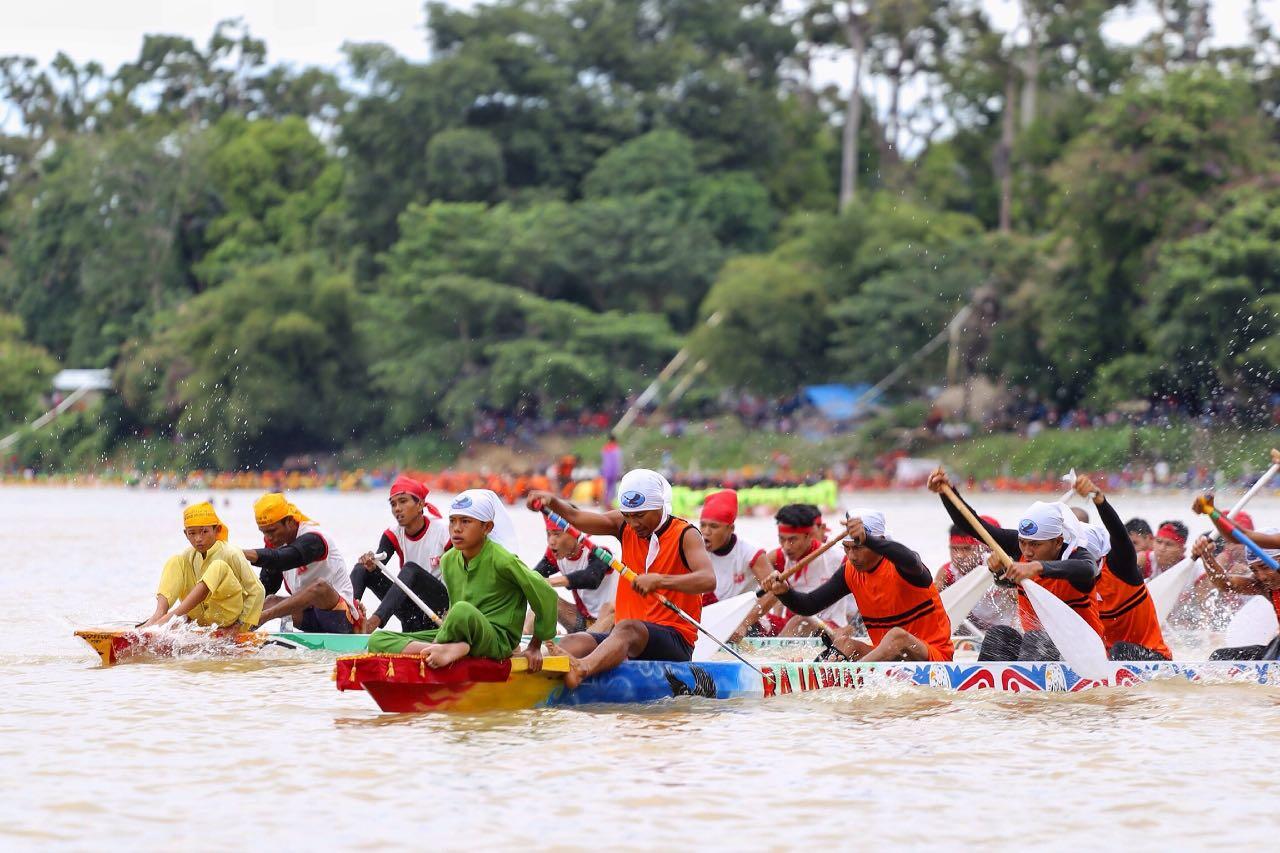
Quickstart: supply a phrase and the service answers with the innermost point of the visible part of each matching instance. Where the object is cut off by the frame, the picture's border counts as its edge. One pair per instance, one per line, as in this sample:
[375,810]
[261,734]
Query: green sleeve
[450,565]
[540,595]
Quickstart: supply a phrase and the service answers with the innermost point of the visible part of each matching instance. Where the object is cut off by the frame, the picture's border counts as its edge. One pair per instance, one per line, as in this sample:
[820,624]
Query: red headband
[961,539]
[789,528]
[1168,531]
[405,485]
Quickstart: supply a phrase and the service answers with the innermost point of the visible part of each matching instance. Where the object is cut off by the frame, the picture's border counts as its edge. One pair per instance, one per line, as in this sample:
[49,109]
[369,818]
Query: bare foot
[577,672]
[417,647]
[371,624]
[443,654]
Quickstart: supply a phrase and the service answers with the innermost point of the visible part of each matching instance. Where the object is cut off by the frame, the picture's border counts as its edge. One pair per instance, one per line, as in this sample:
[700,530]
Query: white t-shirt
[733,570]
[815,575]
[427,549]
[331,567]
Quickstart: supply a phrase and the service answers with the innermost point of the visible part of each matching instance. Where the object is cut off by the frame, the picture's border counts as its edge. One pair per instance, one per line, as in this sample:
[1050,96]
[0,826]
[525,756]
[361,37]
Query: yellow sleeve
[175,579]
[254,594]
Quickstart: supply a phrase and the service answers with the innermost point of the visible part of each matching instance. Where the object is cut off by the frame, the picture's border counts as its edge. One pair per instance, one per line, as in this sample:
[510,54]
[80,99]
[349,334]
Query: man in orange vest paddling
[893,591]
[670,558]
[1051,543]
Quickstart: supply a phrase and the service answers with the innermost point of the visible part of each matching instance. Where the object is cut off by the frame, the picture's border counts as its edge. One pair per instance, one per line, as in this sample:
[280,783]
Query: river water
[263,752]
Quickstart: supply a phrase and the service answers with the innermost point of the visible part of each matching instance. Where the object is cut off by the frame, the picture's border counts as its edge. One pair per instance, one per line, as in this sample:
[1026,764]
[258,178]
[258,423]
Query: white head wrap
[641,490]
[872,521]
[484,505]
[1043,521]
[1097,541]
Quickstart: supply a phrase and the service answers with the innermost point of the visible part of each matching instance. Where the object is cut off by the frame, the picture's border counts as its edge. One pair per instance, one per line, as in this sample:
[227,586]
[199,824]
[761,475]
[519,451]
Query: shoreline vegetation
[1177,455]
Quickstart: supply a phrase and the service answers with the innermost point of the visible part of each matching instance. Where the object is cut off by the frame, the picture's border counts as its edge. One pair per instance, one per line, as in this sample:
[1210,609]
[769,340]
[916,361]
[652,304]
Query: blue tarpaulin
[836,402]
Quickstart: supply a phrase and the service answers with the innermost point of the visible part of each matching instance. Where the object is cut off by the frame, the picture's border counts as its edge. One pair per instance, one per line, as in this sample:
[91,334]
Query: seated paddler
[301,557]
[210,583]
[893,590]
[669,557]
[490,589]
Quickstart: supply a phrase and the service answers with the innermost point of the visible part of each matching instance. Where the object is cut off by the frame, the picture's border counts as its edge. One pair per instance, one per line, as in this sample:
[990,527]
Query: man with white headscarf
[490,590]
[670,558]
[1263,581]
[1050,546]
[893,590]
[1129,620]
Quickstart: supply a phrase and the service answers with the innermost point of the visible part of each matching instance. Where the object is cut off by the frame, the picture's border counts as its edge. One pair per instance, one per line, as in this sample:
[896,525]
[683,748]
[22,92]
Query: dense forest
[272,258]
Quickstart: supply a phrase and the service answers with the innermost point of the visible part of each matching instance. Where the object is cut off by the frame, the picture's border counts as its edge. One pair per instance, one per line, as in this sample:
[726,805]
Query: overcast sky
[311,32]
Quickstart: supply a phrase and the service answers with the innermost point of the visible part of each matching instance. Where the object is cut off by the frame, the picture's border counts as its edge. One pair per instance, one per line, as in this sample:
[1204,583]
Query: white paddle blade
[1080,646]
[961,597]
[1070,479]
[1254,624]
[1166,588]
[721,619]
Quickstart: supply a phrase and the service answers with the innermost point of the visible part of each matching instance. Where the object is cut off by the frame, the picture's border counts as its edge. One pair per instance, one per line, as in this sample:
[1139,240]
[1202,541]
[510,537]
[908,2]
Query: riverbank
[1178,455]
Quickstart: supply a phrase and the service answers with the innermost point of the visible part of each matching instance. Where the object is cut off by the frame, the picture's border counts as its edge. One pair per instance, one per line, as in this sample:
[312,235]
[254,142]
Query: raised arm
[1005,538]
[1223,582]
[594,523]
[1123,558]
[908,563]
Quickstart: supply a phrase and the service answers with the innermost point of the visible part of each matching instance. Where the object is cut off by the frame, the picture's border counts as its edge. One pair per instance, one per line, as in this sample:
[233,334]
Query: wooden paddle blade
[1079,645]
[961,597]
[1165,589]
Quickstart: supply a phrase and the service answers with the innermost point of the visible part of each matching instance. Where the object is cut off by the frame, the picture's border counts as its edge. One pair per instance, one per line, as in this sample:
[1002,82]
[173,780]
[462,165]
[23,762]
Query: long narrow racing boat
[115,646]
[404,683]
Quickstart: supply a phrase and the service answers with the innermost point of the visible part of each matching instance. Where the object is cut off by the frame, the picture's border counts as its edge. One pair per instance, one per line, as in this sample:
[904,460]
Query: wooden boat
[404,683]
[115,646]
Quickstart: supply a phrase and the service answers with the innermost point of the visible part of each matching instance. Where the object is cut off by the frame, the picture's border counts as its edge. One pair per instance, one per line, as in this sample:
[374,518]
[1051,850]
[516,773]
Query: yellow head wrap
[204,515]
[273,507]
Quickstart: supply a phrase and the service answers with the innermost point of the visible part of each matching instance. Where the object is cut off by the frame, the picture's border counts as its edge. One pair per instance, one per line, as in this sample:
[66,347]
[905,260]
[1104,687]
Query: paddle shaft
[977,525]
[631,577]
[1226,526]
[404,587]
[1257,487]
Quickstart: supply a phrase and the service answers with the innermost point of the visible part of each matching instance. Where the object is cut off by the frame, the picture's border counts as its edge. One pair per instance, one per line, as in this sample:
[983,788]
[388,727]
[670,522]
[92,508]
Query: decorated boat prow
[117,646]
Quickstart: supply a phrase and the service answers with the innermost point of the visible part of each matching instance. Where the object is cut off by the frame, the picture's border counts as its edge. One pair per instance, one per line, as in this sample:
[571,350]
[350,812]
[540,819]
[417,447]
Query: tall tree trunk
[852,113]
[1004,150]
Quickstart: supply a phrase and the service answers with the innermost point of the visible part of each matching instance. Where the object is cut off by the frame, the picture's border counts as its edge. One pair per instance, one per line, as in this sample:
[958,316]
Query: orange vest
[1128,615]
[1083,603]
[887,601]
[629,604]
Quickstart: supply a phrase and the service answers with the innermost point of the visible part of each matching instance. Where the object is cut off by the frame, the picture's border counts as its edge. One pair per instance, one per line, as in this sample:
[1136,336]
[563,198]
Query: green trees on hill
[276,259]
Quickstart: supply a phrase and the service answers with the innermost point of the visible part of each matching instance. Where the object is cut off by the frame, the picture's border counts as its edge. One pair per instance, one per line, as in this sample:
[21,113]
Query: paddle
[630,576]
[1166,588]
[1079,645]
[961,597]
[722,619]
[1204,506]
[1252,625]
[422,605]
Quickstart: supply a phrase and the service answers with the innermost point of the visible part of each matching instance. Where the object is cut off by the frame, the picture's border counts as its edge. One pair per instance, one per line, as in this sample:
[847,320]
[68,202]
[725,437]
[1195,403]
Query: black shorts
[316,621]
[664,644]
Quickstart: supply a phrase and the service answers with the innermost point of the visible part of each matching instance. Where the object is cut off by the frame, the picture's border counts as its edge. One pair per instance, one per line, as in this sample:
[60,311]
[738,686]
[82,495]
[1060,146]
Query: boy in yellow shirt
[210,583]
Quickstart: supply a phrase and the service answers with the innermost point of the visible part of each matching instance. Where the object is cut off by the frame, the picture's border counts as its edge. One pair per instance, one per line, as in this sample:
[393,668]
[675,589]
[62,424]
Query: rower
[1050,540]
[1131,627]
[670,558]
[1144,543]
[1262,580]
[490,589]
[890,587]
[737,562]
[302,557]
[419,539]
[997,606]
[800,529]
[593,584]
[1170,546]
[210,583]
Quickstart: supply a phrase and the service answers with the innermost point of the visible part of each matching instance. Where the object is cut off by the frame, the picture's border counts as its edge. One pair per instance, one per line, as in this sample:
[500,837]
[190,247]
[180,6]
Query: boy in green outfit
[489,590]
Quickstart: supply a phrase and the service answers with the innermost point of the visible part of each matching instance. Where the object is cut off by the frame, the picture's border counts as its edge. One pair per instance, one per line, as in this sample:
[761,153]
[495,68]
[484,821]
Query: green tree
[660,160]
[26,371]
[464,165]
[261,366]
[771,330]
